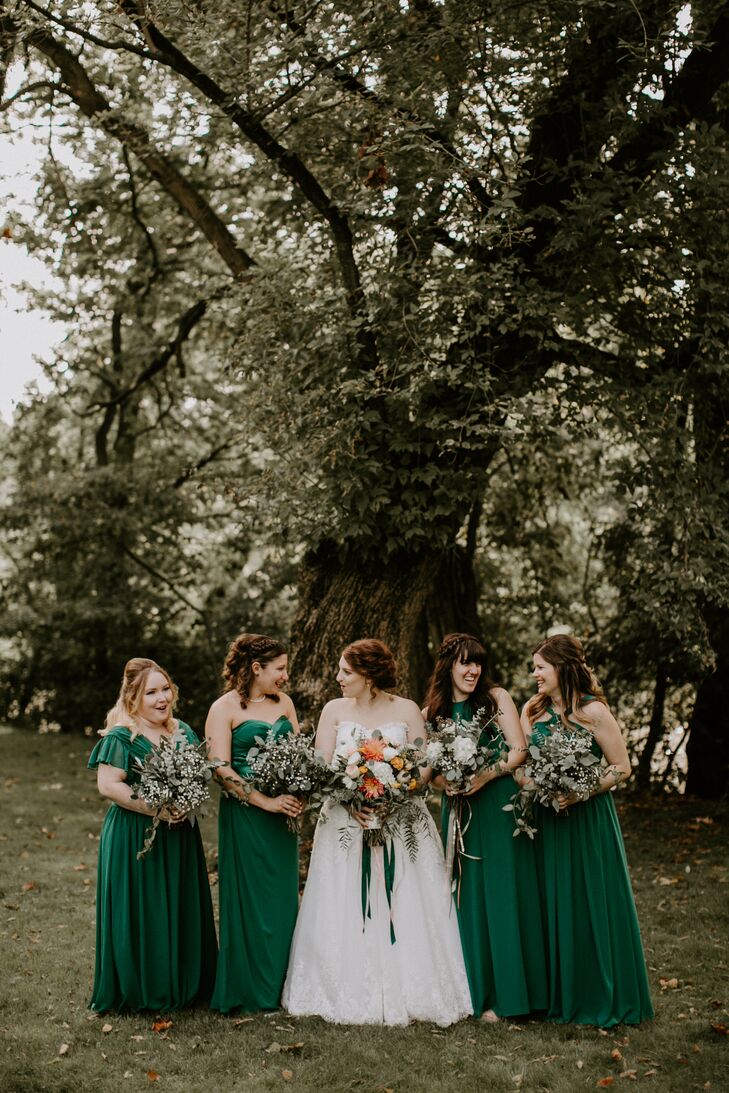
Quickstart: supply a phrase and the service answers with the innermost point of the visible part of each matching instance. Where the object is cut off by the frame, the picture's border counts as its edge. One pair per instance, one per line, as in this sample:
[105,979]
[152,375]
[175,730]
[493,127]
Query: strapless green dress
[497,896]
[259,890]
[155,932]
[597,971]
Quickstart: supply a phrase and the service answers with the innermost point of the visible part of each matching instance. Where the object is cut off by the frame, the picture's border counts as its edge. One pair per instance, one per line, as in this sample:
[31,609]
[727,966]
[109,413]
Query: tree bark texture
[707,750]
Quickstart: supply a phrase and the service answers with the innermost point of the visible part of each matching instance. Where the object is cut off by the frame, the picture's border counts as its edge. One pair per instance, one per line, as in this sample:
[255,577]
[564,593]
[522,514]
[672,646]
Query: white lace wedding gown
[347,969]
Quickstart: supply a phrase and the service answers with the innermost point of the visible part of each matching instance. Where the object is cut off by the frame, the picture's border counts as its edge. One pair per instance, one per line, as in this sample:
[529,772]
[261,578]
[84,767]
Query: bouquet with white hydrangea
[175,775]
[455,751]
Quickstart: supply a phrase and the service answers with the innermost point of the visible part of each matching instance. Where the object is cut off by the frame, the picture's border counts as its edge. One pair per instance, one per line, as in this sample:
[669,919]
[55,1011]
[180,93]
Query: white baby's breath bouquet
[175,775]
[288,763]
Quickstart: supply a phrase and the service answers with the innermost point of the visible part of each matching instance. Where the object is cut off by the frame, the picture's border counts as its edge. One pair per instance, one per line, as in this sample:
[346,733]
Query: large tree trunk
[409,602]
[707,750]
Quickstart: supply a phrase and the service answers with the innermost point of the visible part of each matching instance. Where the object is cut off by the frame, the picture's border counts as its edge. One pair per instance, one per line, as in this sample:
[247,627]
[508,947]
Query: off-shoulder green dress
[597,971]
[258,883]
[155,931]
[497,898]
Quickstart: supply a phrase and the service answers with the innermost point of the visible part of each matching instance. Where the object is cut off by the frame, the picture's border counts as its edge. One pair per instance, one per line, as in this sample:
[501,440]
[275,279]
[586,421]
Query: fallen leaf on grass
[668,984]
[127,1074]
[632,1074]
[284,1028]
[668,880]
[107,1028]
[649,1073]
[720,1030]
[28,886]
[275,1047]
[160,1025]
[242,1021]
[80,868]
[287,1075]
[152,1076]
[579,1064]
[64,1049]
[615,1054]
[602,1082]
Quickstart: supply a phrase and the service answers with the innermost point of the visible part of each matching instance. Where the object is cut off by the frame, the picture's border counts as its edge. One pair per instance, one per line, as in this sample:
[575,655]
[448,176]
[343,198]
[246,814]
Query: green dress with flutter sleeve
[155,931]
[497,897]
[258,883]
[597,971]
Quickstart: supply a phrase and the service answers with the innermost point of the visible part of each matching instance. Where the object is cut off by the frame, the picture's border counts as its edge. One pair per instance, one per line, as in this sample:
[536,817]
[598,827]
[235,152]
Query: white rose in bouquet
[383,772]
[464,748]
[434,751]
[389,753]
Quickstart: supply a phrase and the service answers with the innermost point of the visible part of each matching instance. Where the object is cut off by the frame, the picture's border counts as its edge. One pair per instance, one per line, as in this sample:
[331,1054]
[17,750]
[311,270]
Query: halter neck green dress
[259,891]
[597,972]
[155,932]
[497,897]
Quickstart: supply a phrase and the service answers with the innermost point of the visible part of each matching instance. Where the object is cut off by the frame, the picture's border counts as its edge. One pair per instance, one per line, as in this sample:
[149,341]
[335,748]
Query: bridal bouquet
[562,762]
[454,750]
[175,775]
[288,763]
[378,774]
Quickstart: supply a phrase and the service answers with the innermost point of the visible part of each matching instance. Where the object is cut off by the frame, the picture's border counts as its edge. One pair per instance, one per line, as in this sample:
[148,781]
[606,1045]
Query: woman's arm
[416,731]
[112,784]
[507,719]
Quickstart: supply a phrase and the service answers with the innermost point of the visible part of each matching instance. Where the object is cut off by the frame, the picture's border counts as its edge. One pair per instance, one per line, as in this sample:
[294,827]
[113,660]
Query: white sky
[24,335]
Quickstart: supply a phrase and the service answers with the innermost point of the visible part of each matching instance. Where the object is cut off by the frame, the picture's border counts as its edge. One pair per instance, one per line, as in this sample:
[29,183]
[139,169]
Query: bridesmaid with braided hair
[596,965]
[496,891]
[257,853]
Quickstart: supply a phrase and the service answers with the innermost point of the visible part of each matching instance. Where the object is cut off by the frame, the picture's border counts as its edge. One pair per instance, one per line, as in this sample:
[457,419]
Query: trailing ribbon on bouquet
[388,861]
[455,843]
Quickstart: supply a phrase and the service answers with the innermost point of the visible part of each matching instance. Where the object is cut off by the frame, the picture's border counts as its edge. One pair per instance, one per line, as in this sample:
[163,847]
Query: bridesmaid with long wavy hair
[155,933]
[596,964]
[496,888]
[257,853]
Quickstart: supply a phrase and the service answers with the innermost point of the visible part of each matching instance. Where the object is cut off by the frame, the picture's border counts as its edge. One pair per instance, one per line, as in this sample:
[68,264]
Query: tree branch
[94,105]
[167,53]
[688,98]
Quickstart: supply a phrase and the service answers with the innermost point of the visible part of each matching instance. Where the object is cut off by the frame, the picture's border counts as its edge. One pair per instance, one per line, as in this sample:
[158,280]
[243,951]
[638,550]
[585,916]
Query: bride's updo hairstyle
[373,660]
[125,709]
[466,649]
[245,651]
[578,684]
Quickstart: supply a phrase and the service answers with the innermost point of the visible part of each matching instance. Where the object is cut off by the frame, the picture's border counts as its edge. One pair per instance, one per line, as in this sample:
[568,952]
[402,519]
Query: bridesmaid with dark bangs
[496,892]
[257,853]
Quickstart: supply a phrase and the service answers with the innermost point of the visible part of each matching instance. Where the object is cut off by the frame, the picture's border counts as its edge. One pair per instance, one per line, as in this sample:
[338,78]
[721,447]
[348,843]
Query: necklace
[261,699]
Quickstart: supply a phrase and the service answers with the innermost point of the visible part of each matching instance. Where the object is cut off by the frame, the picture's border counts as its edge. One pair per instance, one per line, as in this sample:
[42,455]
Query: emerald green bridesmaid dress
[597,972]
[497,897]
[155,932]
[259,891]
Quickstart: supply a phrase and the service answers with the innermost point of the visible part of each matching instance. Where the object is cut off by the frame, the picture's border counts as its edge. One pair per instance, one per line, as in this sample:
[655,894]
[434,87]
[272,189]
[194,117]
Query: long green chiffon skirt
[597,968]
[258,883]
[155,933]
[498,905]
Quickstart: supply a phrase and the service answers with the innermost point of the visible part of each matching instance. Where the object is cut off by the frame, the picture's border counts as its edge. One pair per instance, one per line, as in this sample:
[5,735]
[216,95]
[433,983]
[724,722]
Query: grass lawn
[50,821]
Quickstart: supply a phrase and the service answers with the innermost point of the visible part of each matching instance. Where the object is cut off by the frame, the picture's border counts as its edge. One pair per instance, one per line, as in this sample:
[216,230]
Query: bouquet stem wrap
[459,820]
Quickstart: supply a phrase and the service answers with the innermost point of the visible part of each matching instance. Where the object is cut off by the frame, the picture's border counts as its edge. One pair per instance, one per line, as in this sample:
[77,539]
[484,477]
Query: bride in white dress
[344,966]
